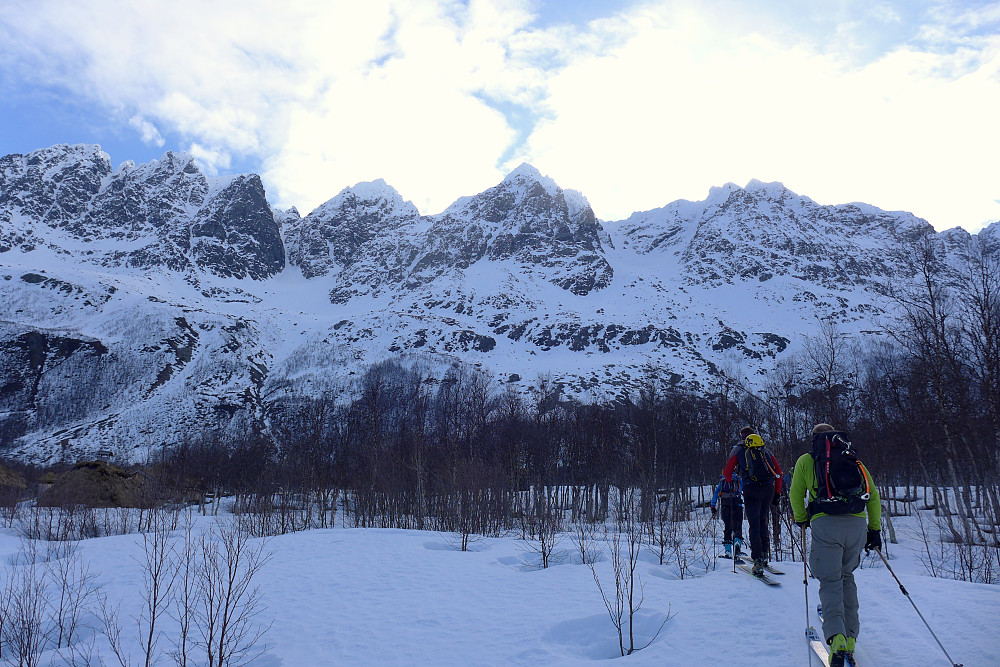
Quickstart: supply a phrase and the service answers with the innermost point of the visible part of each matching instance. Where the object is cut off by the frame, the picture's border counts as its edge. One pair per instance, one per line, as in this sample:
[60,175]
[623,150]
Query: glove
[776,500]
[802,524]
[715,512]
[874,540]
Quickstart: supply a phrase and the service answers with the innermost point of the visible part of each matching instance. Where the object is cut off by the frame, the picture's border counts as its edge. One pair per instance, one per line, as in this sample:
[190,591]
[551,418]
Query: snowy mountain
[142,302]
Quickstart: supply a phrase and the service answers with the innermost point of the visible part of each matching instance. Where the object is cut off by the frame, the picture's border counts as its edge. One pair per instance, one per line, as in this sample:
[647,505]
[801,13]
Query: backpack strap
[864,477]
[826,467]
[768,460]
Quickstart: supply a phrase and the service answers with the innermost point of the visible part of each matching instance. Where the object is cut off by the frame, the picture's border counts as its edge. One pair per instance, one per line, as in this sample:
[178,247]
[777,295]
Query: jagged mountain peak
[526,173]
[163,213]
[286,216]
[179,160]
[524,170]
[51,186]
[335,233]
[991,232]
[375,189]
[576,203]
[756,187]
[172,168]
[54,164]
[720,193]
[523,196]
[69,153]
[773,189]
[369,195]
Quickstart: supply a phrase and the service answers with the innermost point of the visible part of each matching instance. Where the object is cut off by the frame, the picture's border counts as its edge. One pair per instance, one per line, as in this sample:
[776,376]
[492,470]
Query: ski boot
[849,655]
[729,549]
[838,651]
[758,567]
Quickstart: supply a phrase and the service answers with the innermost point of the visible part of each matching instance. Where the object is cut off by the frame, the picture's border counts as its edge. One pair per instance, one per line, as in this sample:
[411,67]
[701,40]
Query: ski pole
[903,589]
[732,522]
[805,584]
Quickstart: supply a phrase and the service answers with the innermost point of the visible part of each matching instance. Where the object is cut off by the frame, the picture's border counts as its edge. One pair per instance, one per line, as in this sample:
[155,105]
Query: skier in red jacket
[760,476]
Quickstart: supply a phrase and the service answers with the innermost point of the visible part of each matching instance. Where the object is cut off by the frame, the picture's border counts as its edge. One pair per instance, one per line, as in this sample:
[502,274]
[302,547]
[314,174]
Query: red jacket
[733,462]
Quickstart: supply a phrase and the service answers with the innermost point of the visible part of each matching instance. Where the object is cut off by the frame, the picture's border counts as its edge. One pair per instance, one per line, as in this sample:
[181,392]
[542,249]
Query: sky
[633,103]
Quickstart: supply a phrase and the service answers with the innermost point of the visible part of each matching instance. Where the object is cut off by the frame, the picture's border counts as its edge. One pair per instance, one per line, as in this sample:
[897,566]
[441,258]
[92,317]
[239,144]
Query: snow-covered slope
[140,303]
[356,596]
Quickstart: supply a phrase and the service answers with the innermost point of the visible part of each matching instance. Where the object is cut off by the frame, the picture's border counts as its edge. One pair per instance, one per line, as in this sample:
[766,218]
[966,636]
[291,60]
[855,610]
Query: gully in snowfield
[840,495]
[760,476]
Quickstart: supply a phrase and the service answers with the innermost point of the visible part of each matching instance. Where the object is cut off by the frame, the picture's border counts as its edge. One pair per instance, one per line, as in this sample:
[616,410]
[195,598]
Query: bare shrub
[70,523]
[5,603]
[701,538]
[24,601]
[158,575]
[584,538]
[112,628]
[546,537]
[947,557]
[228,602]
[541,524]
[662,531]
[625,543]
[75,587]
[185,567]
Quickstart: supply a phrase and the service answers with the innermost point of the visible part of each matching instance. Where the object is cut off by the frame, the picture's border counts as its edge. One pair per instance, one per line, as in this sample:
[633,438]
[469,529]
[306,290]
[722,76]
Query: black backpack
[841,485]
[755,462]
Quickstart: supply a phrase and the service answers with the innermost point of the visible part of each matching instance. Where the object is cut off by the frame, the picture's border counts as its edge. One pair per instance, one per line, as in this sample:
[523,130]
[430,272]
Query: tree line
[405,447]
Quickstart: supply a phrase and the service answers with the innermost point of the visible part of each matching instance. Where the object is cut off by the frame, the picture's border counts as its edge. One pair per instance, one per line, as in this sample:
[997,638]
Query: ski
[773,570]
[817,645]
[762,577]
[739,561]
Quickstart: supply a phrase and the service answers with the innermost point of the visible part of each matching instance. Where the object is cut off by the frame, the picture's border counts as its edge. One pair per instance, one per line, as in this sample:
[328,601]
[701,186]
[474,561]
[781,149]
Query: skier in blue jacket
[729,496]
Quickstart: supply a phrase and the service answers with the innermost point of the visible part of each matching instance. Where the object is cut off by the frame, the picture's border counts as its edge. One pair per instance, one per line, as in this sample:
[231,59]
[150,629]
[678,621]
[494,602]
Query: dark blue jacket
[728,492]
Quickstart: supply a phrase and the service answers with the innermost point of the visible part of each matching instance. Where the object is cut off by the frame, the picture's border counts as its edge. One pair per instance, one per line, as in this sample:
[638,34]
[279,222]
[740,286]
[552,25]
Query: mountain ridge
[147,302]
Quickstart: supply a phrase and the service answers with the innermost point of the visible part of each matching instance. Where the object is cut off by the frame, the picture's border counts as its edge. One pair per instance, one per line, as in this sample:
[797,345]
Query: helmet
[754,440]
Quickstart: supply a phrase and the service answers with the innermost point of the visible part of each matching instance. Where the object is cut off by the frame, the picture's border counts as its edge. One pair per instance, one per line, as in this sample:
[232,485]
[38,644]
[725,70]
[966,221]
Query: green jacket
[804,479]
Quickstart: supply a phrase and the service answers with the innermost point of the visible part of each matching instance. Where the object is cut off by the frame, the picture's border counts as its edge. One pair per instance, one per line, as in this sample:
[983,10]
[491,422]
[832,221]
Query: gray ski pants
[835,553]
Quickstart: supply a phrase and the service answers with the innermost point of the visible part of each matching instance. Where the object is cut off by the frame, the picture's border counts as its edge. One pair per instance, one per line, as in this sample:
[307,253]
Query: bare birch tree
[158,575]
[229,602]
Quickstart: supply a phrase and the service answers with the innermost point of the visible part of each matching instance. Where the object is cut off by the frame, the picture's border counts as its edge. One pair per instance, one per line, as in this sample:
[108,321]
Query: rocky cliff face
[336,235]
[371,240]
[527,221]
[143,303]
[765,230]
[164,214]
[51,187]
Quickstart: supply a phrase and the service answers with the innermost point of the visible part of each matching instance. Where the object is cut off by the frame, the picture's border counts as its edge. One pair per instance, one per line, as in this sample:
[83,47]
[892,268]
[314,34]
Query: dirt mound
[95,484]
[10,478]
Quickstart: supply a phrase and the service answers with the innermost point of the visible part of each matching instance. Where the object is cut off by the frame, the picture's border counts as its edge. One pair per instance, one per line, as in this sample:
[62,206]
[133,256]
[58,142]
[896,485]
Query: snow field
[351,596]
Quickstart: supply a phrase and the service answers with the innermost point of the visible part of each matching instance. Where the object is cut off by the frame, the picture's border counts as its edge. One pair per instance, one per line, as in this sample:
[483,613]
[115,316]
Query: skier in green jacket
[834,504]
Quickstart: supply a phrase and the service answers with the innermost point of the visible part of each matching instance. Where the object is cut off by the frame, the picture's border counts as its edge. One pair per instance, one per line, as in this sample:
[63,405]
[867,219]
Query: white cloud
[657,102]
[415,119]
[211,161]
[682,105]
[885,13]
[147,130]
